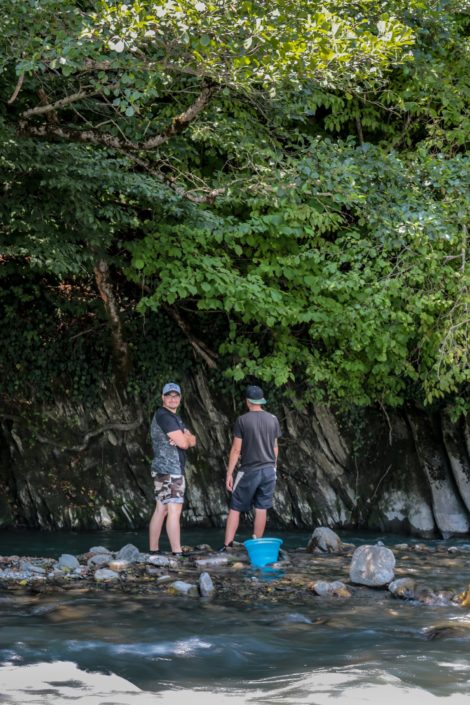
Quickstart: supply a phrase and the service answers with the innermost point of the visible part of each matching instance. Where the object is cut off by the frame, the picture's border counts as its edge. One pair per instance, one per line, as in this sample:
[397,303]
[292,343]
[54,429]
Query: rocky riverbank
[326,569]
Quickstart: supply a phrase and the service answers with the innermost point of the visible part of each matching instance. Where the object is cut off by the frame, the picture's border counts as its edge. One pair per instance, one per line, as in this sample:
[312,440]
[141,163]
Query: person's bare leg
[259,523]
[233,519]
[173,526]
[156,525]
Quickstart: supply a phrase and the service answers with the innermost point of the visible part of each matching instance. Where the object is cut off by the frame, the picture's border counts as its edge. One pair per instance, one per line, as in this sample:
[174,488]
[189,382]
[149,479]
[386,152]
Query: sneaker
[155,552]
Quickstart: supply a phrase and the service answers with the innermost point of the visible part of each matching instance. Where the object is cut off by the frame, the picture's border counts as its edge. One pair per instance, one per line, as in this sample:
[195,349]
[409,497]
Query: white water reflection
[61,683]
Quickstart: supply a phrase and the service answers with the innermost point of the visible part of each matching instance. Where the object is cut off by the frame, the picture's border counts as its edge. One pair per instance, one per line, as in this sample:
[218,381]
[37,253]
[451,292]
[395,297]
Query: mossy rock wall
[70,467]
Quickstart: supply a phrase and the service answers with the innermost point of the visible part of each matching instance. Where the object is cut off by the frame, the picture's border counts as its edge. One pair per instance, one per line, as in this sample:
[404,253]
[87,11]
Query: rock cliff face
[406,472]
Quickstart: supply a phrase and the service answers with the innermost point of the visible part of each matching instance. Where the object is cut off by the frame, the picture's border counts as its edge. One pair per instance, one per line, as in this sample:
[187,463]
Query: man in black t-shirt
[170,441]
[254,443]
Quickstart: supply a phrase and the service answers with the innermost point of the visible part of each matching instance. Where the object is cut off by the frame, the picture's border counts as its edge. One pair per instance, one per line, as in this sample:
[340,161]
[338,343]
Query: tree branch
[113,426]
[181,121]
[120,347]
[17,89]
[198,345]
[42,109]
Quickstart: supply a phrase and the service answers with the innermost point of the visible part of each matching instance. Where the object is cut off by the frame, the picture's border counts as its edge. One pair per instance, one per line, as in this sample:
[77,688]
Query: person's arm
[233,457]
[182,439]
[276,451]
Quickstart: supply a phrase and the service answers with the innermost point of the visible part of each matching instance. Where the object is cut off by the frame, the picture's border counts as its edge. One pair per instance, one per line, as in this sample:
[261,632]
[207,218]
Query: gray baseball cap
[171,387]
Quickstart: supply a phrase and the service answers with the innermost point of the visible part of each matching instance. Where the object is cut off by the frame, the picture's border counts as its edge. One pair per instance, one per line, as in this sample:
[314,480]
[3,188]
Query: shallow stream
[107,648]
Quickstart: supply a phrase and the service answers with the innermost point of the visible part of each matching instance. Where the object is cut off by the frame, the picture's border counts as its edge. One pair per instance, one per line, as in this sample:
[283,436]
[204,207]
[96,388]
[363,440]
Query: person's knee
[174,509]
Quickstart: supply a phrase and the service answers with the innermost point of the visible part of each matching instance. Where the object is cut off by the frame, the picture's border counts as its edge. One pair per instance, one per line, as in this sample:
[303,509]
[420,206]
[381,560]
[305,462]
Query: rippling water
[111,648]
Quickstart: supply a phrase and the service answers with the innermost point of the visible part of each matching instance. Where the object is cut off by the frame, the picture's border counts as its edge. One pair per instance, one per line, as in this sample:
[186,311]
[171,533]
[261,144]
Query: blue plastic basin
[262,551]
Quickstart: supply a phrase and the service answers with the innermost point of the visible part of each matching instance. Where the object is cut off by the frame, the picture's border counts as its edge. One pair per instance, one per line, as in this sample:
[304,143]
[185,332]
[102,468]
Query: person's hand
[229,483]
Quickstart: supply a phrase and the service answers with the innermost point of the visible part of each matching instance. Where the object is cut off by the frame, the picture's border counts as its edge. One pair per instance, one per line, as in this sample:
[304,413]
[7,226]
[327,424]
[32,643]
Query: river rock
[336,588]
[118,566]
[67,562]
[372,566]
[213,562]
[16,575]
[129,552]
[162,561]
[99,549]
[324,539]
[31,568]
[105,575]
[206,586]
[99,559]
[403,588]
[184,588]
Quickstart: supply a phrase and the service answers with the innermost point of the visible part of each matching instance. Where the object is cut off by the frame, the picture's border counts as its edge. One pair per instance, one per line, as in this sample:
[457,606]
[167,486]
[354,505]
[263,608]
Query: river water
[117,649]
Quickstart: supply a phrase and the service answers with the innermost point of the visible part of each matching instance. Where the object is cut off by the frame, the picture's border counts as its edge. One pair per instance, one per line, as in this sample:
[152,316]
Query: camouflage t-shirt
[167,459]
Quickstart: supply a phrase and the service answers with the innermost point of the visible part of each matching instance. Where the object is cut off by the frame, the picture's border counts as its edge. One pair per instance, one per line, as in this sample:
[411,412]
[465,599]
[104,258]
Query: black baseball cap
[255,395]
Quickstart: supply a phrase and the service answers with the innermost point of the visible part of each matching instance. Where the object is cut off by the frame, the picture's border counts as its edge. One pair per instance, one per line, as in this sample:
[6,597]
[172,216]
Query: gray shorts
[169,489]
[253,488]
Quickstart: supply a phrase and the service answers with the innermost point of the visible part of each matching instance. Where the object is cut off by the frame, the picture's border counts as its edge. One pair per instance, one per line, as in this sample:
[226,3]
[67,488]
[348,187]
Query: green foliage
[361,296]
[55,344]
[290,177]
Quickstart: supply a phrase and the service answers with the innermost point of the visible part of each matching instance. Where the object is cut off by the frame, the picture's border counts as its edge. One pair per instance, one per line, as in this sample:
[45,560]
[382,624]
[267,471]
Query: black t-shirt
[167,459]
[258,431]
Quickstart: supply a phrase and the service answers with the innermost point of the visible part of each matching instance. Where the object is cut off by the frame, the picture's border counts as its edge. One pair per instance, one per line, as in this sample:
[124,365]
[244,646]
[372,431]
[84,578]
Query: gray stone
[100,559]
[325,539]
[67,562]
[99,549]
[162,561]
[403,588]
[206,586]
[184,588]
[105,575]
[372,565]
[15,575]
[129,552]
[31,568]
[336,588]
[213,562]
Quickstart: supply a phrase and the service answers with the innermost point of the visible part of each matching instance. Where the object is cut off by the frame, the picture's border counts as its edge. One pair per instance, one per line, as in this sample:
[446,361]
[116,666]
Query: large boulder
[372,566]
[325,540]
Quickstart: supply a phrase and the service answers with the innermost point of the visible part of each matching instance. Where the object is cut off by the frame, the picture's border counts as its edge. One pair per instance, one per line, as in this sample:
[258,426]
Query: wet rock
[67,562]
[162,579]
[106,575]
[99,549]
[129,552]
[212,562]
[9,574]
[28,567]
[423,548]
[162,561]
[336,588]
[324,539]
[446,631]
[206,586]
[183,588]
[403,588]
[435,599]
[119,566]
[99,559]
[464,598]
[372,566]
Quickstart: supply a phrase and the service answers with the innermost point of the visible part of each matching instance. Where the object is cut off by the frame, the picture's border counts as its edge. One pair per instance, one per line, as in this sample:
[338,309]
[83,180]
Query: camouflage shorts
[169,489]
